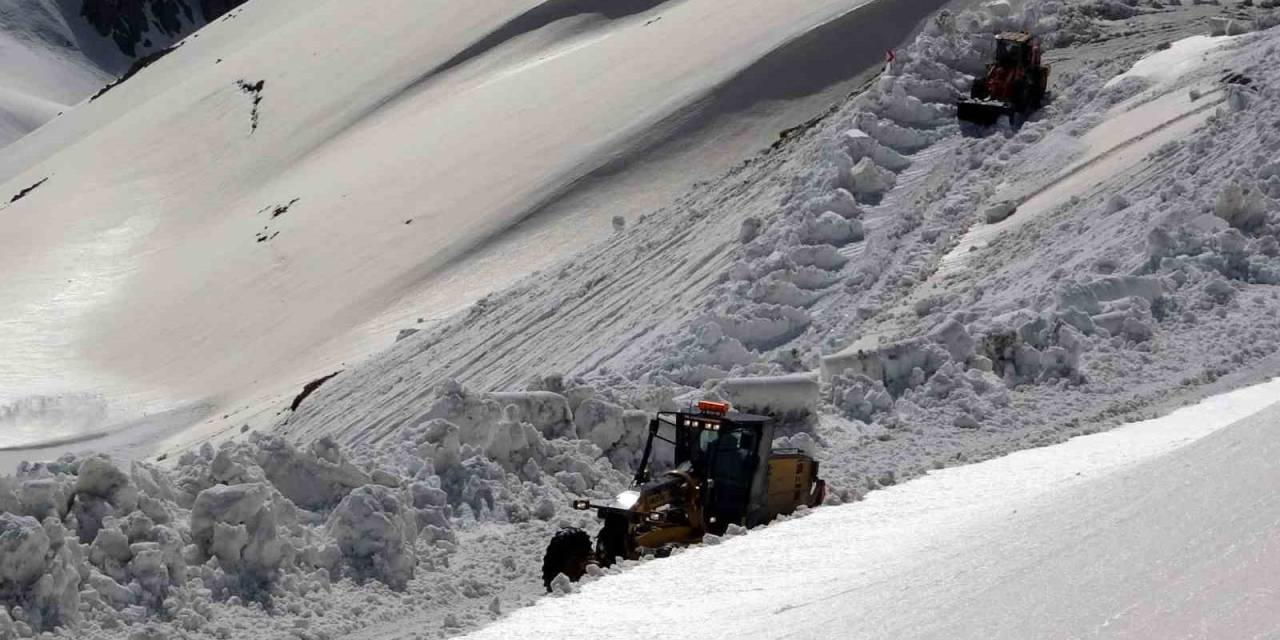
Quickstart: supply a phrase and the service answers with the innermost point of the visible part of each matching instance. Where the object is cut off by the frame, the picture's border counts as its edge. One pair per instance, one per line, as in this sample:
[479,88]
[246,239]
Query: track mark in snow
[22,194]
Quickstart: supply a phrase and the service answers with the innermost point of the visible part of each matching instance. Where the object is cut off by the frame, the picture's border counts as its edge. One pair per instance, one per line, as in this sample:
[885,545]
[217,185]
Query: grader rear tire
[611,542]
[569,552]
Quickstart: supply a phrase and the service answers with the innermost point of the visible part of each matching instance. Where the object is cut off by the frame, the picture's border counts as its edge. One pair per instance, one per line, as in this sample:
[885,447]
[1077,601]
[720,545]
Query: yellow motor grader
[725,471]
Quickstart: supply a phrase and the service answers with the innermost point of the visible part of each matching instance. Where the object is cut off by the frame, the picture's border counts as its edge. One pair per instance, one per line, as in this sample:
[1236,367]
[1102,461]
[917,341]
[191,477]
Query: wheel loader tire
[1041,88]
[611,542]
[1021,98]
[569,552]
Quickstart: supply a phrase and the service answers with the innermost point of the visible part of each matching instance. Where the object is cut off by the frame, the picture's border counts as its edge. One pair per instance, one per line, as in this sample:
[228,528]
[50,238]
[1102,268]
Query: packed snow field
[849,282]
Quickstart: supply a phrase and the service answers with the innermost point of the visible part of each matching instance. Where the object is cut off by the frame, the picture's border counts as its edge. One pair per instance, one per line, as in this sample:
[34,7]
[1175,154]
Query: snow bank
[859,145]
[869,181]
[1182,57]
[221,529]
[787,398]
[548,411]
[1017,348]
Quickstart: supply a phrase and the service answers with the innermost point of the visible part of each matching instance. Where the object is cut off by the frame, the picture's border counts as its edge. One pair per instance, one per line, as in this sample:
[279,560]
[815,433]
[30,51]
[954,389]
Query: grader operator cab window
[732,465]
[727,454]
[1007,52]
[1013,52]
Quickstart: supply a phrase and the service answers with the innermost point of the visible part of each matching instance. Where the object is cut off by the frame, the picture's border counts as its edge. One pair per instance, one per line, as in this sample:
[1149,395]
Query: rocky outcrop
[138,26]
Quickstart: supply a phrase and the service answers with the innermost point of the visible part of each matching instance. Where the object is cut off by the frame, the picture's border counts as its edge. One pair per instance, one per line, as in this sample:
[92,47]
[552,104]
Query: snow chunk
[1090,296]
[1242,210]
[600,422]
[548,411]
[860,145]
[890,364]
[891,135]
[101,491]
[832,229]
[316,479]
[239,525]
[999,211]
[39,579]
[953,337]
[376,532]
[869,181]
[821,256]
[763,326]
[860,397]
[785,397]
[900,107]
[839,201]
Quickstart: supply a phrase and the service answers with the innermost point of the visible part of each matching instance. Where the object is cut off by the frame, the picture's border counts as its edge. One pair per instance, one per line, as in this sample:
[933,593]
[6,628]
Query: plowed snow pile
[412,494]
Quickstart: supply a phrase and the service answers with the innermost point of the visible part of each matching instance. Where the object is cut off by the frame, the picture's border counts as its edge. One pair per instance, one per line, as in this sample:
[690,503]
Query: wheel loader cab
[1016,50]
[1015,82]
[1007,53]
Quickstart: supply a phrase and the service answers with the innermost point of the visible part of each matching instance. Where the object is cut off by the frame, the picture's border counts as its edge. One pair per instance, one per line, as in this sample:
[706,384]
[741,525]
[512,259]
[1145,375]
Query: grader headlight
[628,499]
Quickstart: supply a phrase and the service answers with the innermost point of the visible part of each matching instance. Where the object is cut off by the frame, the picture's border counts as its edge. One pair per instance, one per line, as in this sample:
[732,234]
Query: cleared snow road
[1147,531]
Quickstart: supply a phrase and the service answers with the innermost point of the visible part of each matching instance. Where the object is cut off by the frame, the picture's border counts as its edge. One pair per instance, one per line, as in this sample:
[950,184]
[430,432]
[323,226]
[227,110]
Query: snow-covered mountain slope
[42,73]
[778,268]
[390,501]
[56,53]
[1159,529]
[300,180]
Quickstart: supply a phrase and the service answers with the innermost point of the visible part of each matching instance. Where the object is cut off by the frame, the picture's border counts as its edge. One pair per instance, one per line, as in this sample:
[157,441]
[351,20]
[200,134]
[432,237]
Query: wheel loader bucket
[980,111]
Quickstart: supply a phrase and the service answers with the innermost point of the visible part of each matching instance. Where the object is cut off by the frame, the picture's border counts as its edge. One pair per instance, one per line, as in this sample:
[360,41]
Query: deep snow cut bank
[1115,534]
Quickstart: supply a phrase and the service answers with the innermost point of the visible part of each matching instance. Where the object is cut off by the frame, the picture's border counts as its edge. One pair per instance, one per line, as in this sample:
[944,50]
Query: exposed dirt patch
[22,194]
[139,65]
[309,389]
[273,212]
[253,90]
